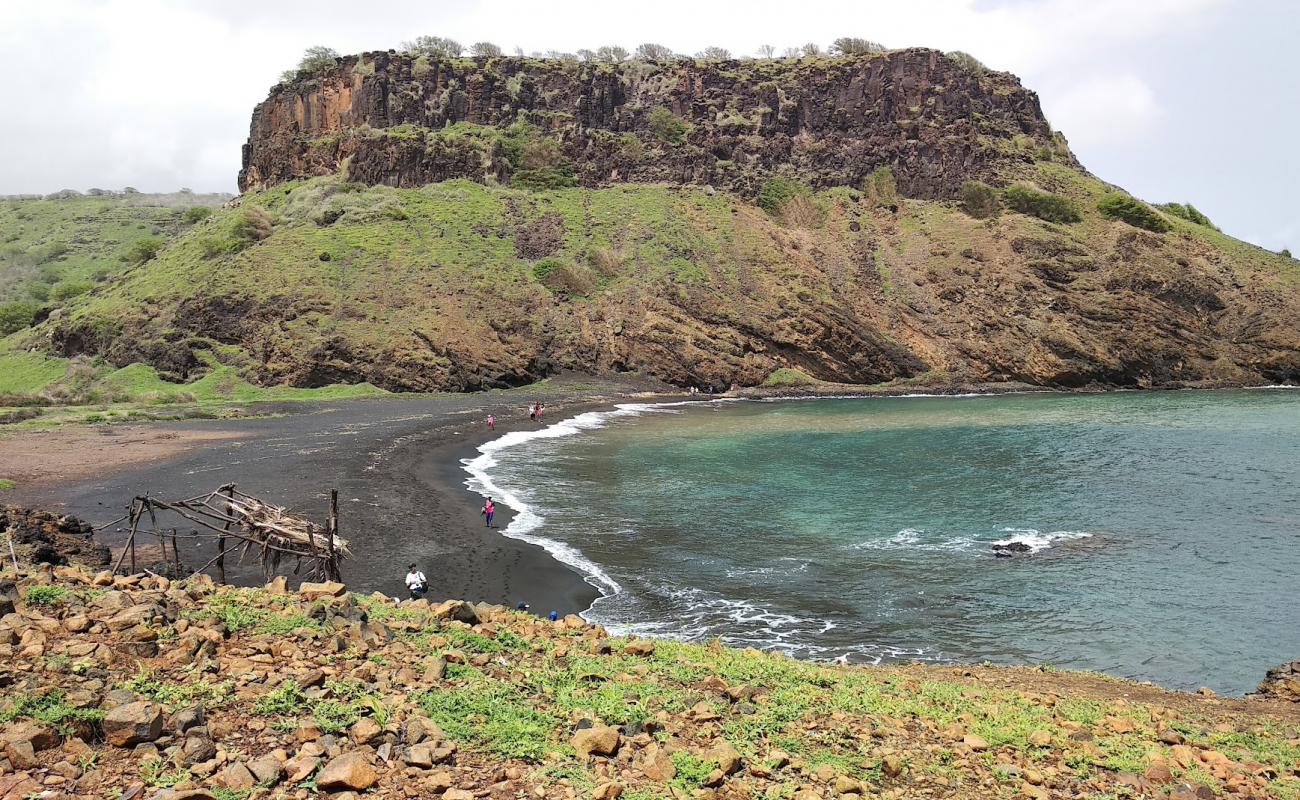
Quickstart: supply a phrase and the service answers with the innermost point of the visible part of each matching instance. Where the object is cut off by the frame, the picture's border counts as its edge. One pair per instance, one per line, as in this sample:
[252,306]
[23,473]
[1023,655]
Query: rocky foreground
[138,687]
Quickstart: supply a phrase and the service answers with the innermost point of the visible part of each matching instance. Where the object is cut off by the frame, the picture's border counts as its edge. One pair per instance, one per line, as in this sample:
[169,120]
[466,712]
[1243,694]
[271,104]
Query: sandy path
[73,453]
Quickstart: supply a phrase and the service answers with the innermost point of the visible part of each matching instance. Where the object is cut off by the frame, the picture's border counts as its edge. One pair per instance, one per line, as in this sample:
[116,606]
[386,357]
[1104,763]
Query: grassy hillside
[51,248]
[463,286]
[308,694]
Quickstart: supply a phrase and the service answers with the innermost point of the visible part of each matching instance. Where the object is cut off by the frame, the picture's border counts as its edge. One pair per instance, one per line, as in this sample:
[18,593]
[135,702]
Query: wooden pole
[153,521]
[221,539]
[332,566]
[118,564]
[176,558]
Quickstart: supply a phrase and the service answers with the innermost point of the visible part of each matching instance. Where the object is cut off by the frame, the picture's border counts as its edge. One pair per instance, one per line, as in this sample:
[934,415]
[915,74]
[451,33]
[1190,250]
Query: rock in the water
[1011,547]
[132,724]
[348,771]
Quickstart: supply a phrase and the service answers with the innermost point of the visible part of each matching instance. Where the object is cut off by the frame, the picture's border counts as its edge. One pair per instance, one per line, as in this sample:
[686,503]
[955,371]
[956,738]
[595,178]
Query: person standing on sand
[532,412]
[491,423]
[540,408]
[416,583]
[489,509]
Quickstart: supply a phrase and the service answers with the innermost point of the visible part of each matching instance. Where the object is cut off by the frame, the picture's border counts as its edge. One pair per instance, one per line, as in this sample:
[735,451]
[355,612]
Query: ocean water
[1164,527]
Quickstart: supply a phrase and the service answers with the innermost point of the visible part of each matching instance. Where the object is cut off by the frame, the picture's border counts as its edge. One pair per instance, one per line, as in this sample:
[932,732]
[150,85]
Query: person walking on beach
[540,408]
[489,508]
[416,583]
[533,411]
[491,422]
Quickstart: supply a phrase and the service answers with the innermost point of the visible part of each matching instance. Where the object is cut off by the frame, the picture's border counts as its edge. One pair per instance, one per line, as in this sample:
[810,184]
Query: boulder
[600,740]
[366,731]
[350,771]
[236,776]
[196,750]
[1282,682]
[457,610]
[267,770]
[975,743]
[132,724]
[316,591]
[657,765]
[725,756]
[640,648]
[300,767]
[607,791]
[21,755]
[38,736]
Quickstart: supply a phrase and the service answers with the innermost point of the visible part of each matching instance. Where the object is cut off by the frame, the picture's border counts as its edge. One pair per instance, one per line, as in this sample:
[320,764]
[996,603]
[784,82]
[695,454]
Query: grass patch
[1133,211]
[492,716]
[788,376]
[180,695]
[51,709]
[44,595]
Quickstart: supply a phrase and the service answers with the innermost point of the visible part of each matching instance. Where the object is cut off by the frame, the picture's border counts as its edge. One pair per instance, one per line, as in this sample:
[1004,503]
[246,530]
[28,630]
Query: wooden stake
[221,539]
[331,566]
[176,557]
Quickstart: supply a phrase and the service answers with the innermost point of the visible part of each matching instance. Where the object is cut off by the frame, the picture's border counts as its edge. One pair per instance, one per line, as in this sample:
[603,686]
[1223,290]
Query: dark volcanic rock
[832,121]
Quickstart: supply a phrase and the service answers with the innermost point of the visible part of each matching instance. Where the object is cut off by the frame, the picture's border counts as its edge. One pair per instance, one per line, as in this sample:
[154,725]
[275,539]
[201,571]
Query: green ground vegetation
[47,244]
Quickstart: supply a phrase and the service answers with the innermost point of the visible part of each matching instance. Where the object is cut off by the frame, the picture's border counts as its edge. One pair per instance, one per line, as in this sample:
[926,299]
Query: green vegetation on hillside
[502,703]
[1188,212]
[47,245]
[1044,205]
[1134,212]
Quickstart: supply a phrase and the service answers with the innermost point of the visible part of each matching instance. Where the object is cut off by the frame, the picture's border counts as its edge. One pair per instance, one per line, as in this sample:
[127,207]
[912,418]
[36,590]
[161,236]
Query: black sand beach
[396,462]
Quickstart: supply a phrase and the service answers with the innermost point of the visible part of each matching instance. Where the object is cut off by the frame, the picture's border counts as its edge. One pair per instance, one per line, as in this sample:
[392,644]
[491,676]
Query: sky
[1175,100]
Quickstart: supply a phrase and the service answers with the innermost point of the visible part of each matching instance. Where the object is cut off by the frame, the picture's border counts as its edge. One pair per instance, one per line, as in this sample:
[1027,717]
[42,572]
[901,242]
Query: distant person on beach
[491,422]
[489,508]
[533,411]
[540,408]
[416,582]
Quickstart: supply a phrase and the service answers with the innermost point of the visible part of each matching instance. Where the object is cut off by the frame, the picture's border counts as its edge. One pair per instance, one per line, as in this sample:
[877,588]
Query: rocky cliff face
[486,223]
[402,121]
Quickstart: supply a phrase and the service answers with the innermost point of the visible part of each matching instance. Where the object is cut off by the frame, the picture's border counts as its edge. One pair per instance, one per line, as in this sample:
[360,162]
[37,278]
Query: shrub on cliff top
[434,47]
[653,52]
[849,46]
[485,50]
[979,200]
[667,126]
[1049,207]
[967,62]
[313,59]
[1134,212]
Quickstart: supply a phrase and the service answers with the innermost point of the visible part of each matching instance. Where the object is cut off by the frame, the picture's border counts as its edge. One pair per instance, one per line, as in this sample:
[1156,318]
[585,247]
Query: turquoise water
[1164,527]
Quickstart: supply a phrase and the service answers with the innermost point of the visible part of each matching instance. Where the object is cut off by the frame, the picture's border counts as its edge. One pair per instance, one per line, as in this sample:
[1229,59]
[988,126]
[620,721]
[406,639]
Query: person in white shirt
[416,582]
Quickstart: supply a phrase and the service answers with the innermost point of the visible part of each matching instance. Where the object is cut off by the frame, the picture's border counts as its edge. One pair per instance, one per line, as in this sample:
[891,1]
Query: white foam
[915,539]
[1037,540]
[698,614]
[528,519]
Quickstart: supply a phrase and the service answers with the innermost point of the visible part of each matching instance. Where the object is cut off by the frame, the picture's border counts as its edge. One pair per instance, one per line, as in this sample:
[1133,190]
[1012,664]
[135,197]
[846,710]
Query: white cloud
[1104,110]
[158,93]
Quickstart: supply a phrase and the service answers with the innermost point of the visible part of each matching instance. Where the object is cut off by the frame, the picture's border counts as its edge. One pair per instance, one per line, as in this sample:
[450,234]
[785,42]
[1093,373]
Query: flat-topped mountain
[406,121]
[426,224]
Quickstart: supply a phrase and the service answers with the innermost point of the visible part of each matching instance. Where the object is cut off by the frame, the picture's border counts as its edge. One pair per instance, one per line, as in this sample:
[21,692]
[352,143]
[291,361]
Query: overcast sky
[1189,100]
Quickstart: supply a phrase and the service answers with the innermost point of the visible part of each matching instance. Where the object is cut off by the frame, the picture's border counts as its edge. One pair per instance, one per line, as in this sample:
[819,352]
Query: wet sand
[397,465]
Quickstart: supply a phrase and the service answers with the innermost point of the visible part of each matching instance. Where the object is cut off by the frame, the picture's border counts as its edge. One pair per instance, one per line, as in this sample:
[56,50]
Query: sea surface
[1164,527]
